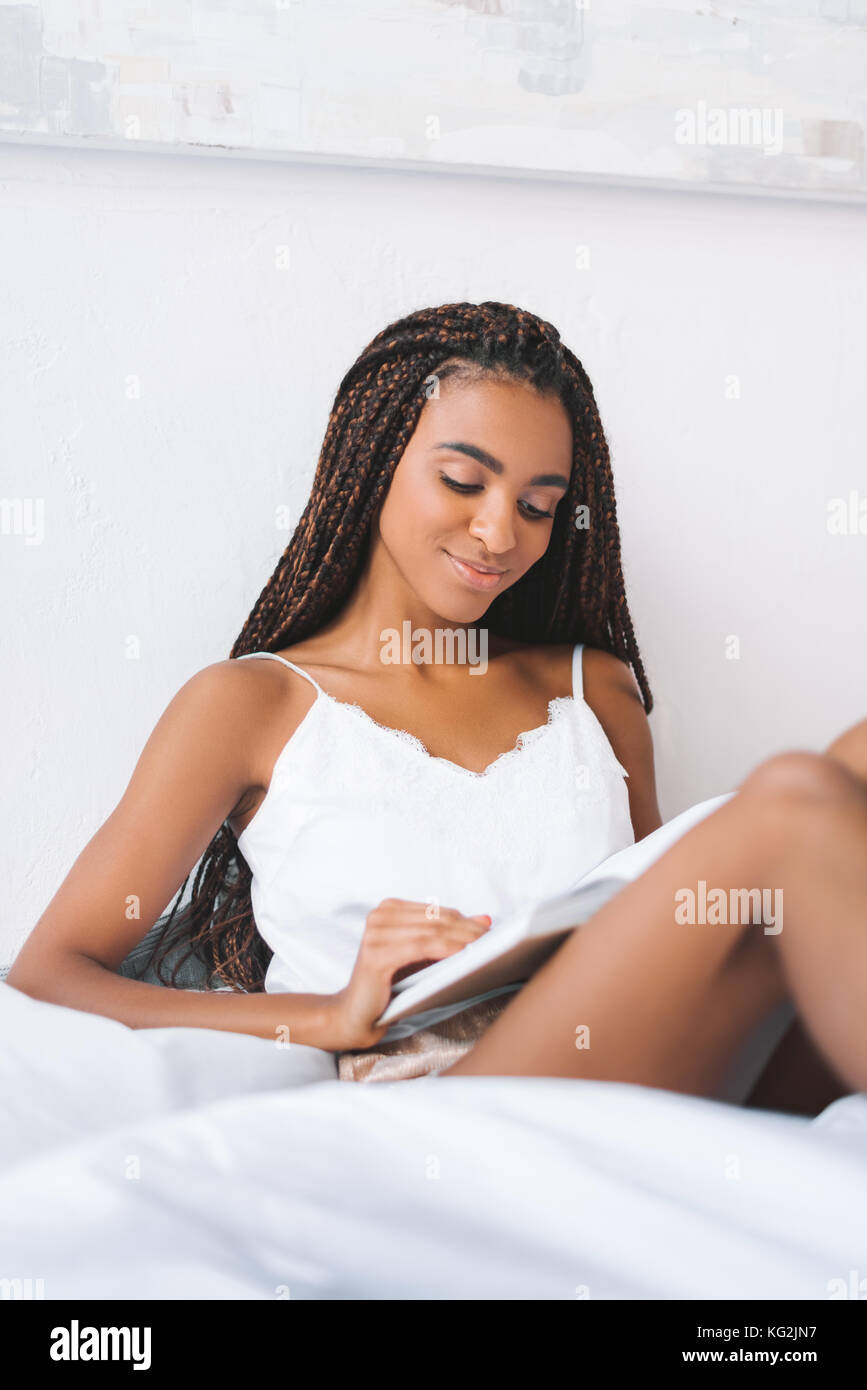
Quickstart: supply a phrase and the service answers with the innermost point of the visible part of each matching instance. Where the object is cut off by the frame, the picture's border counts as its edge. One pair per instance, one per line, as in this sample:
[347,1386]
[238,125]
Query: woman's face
[472,501]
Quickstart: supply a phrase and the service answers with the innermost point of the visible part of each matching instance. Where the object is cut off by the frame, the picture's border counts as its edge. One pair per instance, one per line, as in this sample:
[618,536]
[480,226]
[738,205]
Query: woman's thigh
[636,996]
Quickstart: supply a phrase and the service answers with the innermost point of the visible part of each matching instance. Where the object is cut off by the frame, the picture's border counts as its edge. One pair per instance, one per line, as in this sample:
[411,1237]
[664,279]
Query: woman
[357,816]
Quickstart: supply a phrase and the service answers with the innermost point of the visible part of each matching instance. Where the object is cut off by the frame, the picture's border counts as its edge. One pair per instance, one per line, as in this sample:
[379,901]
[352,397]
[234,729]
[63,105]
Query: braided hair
[574,593]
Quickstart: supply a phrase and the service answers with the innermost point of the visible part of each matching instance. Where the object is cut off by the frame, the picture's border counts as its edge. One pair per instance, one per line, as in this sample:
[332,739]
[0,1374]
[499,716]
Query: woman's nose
[494,526]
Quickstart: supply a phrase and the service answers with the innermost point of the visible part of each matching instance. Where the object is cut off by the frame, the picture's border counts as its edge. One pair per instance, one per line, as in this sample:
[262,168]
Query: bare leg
[667,1004]
[850,749]
[798,1079]
[824,957]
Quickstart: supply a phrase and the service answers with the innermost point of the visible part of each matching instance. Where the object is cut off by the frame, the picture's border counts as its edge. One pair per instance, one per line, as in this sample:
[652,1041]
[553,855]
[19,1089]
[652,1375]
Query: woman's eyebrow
[488,461]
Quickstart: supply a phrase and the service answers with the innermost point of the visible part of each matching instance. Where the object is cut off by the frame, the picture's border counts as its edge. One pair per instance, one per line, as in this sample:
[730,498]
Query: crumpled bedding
[185,1163]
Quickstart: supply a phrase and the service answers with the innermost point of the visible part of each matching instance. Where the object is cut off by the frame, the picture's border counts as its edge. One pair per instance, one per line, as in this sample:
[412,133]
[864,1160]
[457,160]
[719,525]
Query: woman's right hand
[399,938]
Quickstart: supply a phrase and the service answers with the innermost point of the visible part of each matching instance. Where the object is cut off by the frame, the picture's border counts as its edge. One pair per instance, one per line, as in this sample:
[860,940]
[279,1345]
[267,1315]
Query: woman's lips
[477,579]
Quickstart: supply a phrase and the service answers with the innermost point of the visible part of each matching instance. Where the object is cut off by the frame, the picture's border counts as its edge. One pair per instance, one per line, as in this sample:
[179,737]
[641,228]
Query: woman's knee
[801,779]
[801,801]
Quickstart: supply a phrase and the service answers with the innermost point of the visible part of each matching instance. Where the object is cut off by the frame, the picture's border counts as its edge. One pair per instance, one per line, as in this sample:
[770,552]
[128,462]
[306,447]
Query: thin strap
[292,667]
[577,671]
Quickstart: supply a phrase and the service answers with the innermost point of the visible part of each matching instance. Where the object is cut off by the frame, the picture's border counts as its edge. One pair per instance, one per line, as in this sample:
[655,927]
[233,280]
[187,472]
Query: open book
[512,950]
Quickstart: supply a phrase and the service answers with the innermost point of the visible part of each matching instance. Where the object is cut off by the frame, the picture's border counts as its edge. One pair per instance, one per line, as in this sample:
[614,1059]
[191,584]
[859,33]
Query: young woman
[355,816]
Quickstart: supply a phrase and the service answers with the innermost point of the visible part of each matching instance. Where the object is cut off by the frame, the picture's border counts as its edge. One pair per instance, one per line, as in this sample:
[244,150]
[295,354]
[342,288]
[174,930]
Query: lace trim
[557,707]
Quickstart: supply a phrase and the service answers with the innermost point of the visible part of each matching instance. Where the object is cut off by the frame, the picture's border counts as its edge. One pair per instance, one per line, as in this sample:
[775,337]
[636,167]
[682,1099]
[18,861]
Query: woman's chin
[460,614]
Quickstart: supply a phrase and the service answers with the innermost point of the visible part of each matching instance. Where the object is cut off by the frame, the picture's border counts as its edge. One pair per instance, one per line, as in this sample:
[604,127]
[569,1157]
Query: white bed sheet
[183,1163]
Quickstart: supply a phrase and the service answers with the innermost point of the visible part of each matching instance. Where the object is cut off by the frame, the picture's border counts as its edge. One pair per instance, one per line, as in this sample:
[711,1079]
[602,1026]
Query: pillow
[192,974]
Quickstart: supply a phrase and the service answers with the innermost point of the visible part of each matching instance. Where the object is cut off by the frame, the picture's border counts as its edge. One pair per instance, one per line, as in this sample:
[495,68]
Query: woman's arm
[194,770]
[611,691]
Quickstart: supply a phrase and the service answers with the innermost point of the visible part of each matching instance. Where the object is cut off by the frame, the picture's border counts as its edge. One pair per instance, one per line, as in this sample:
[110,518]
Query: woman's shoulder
[263,702]
[551,663]
[245,680]
[260,674]
[609,671]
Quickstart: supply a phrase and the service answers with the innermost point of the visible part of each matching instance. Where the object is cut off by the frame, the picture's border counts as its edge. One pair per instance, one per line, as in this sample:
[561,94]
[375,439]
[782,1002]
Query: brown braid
[575,593]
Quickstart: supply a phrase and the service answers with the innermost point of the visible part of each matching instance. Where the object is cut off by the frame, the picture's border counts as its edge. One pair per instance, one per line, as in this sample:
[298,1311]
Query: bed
[184,1163]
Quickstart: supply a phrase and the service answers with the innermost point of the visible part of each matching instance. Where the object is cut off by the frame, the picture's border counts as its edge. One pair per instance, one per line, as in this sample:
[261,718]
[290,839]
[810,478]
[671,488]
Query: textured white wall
[166,369]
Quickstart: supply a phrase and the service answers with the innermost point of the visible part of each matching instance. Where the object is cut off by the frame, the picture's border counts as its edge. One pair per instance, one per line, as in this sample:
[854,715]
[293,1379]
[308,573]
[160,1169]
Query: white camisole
[357,812]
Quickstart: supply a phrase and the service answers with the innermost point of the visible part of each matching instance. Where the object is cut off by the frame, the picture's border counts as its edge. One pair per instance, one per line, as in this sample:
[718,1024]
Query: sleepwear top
[357,812]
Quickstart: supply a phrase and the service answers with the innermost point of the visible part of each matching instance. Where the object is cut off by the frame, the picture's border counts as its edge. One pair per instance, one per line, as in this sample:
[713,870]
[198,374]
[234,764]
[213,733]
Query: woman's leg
[798,1079]
[825,958]
[850,749]
[634,996]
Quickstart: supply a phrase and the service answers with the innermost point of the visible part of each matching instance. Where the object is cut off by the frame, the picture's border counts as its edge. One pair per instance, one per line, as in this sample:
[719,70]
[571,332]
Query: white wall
[159,511]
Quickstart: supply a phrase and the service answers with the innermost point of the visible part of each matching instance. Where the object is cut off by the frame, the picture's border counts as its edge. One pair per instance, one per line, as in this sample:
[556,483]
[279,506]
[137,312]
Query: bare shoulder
[221,707]
[212,702]
[612,693]
[261,702]
[231,692]
[604,671]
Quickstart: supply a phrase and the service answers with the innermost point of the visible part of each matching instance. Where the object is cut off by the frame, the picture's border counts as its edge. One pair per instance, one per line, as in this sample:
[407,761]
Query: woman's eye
[532,513]
[460,487]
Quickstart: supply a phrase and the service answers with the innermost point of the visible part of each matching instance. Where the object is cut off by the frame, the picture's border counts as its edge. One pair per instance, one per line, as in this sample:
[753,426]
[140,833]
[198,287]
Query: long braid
[575,593]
